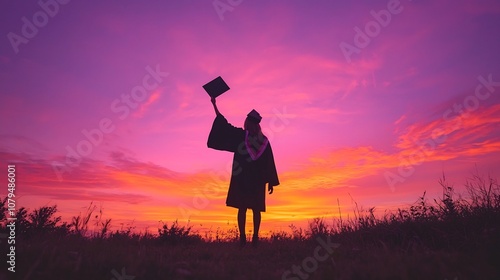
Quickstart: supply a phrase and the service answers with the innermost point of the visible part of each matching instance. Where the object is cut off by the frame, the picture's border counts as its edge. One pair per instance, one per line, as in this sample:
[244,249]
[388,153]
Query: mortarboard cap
[254,116]
[216,87]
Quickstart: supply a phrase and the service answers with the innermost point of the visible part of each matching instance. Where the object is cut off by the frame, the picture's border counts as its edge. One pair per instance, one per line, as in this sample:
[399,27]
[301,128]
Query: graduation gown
[253,164]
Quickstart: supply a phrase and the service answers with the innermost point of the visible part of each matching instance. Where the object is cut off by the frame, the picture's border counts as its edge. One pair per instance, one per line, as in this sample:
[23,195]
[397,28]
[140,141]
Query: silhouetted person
[253,166]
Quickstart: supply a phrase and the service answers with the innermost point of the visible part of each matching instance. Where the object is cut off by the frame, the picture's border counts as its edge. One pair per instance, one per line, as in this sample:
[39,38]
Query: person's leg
[242,214]
[256,226]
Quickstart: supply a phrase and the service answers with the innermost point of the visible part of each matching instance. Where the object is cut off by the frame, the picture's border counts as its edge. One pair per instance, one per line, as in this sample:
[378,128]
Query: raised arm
[215,106]
[224,136]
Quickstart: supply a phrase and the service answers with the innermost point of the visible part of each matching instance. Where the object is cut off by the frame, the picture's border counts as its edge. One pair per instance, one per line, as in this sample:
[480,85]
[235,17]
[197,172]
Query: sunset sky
[365,101]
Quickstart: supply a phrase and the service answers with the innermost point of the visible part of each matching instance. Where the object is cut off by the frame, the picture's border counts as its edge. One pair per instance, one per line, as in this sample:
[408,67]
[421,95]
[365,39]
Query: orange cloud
[452,137]
[153,97]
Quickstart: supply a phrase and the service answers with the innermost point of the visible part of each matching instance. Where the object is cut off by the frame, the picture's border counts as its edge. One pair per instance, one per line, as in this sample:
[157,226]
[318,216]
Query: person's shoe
[255,241]
[243,241]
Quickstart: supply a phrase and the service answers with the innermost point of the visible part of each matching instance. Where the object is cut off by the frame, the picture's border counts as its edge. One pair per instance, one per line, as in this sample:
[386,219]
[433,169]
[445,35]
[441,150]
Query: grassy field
[447,238]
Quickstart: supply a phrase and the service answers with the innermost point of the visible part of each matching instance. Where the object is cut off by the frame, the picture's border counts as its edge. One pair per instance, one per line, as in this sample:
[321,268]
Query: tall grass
[452,226]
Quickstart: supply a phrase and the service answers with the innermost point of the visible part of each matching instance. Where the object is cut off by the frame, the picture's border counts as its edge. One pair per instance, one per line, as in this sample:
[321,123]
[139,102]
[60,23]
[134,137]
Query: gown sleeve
[272,174]
[223,136]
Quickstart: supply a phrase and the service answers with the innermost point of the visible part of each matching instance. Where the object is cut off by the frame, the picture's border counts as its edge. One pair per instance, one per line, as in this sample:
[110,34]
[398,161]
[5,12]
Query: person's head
[252,123]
